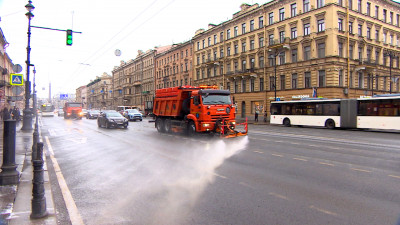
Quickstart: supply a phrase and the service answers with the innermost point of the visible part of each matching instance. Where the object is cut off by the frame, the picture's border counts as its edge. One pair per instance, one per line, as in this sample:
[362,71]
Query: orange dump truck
[203,109]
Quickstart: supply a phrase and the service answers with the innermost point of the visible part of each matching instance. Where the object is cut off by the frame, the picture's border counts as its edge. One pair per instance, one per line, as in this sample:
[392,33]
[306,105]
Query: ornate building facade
[286,50]
[99,93]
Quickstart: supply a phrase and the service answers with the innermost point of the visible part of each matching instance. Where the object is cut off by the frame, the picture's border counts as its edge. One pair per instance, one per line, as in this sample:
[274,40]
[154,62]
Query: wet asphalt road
[276,175]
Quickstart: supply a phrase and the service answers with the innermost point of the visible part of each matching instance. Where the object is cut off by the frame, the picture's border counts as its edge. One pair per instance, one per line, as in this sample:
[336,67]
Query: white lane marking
[366,171]
[73,211]
[217,175]
[323,210]
[277,155]
[258,152]
[328,164]
[394,176]
[300,159]
[278,195]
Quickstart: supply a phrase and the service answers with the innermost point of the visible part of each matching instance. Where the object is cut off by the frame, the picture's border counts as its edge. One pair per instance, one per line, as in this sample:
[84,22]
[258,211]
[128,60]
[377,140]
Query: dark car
[112,119]
[92,114]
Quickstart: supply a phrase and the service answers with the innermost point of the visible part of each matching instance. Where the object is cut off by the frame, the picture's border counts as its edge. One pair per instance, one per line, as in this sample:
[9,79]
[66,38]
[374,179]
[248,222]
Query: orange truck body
[204,109]
[73,110]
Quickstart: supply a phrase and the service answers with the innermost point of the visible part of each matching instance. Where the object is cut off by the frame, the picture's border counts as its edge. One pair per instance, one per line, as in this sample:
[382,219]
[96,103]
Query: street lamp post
[276,52]
[27,118]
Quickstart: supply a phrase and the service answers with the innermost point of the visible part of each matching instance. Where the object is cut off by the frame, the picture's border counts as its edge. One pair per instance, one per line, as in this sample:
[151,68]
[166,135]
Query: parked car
[84,111]
[92,114]
[110,119]
[133,114]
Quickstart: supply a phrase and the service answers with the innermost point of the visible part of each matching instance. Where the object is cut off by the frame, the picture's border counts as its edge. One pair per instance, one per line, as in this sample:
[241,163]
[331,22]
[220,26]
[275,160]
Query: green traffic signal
[69,37]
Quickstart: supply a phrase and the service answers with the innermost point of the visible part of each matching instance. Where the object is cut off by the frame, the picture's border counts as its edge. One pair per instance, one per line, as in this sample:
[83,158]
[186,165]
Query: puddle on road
[165,191]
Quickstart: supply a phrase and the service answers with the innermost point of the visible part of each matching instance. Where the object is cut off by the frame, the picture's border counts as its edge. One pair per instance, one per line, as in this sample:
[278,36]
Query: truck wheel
[167,126]
[160,125]
[191,129]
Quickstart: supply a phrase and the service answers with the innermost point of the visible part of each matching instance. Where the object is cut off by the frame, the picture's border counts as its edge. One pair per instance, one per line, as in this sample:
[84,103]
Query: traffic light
[69,37]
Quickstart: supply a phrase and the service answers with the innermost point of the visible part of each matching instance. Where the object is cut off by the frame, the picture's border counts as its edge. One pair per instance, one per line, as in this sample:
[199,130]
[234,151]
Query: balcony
[278,43]
[137,83]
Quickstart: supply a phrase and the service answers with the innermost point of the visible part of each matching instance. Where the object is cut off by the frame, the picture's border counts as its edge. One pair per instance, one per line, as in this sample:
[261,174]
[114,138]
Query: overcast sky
[128,25]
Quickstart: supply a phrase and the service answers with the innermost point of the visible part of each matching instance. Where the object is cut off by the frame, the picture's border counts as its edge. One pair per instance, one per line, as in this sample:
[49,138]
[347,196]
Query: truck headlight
[206,125]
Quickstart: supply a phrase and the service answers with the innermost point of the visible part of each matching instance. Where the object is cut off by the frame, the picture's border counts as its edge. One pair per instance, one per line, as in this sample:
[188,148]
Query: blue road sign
[16,79]
[63,96]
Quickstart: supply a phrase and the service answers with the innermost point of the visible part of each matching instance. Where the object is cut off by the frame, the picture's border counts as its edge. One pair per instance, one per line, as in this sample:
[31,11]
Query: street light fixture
[27,118]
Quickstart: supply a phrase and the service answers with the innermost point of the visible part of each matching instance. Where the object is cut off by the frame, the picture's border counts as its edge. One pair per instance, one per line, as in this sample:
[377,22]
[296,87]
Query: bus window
[276,109]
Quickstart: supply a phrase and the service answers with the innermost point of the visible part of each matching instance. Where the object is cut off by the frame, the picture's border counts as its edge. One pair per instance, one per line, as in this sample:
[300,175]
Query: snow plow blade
[228,132]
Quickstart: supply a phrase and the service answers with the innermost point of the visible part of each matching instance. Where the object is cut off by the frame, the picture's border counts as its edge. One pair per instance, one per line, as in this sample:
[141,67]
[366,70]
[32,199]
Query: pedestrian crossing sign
[16,79]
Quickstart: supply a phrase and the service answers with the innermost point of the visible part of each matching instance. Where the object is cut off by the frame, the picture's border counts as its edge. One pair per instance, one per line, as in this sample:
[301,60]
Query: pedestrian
[6,114]
[17,114]
[265,116]
[256,115]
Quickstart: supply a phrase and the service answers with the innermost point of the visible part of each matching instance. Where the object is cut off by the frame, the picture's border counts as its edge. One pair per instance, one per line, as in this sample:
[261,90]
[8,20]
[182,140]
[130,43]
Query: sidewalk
[15,200]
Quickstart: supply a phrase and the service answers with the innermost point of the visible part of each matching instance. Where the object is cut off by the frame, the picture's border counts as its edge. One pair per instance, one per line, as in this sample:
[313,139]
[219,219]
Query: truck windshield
[74,105]
[216,99]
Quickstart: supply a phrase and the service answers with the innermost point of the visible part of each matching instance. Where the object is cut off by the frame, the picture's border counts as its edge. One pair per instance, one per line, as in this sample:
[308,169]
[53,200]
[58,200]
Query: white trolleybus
[378,112]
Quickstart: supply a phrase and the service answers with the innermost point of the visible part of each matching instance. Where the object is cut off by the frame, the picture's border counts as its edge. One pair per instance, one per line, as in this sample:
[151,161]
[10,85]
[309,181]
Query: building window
[244,85]
[252,63]
[351,51]
[282,36]
[251,25]
[340,45]
[283,82]
[340,2]
[377,57]
[307,52]
[251,85]
[236,49]
[294,55]
[293,10]
[221,69]
[351,27]
[215,40]
[282,58]
[384,38]
[391,18]
[271,83]
[228,51]
[377,12]
[215,55]
[360,30]
[307,80]
[376,35]
[261,42]
[221,53]
[306,6]
[281,14]
[340,24]
[321,25]
[341,78]
[368,9]
[243,65]
[270,18]
[198,45]
[235,31]
[306,29]
[271,39]
[228,34]
[320,3]
[252,45]
[221,37]
[209,41]
[359,6]
[369,32]
[243,28]
[398,20]
[236,88]
[244,47]
[260,22]
[321,78]
[204,45]
[384,15]
[294,81]
[293,32]
[228,86]
[360,80]
[261,61]
[261,84]
[351,4]
[321,50]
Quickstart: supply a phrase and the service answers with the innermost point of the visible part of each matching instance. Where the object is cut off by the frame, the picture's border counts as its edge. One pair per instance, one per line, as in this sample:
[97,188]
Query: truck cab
[73,110]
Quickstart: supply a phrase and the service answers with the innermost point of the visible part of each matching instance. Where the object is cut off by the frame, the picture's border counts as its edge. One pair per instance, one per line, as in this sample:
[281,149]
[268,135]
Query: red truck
[73,110]
[204,109]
